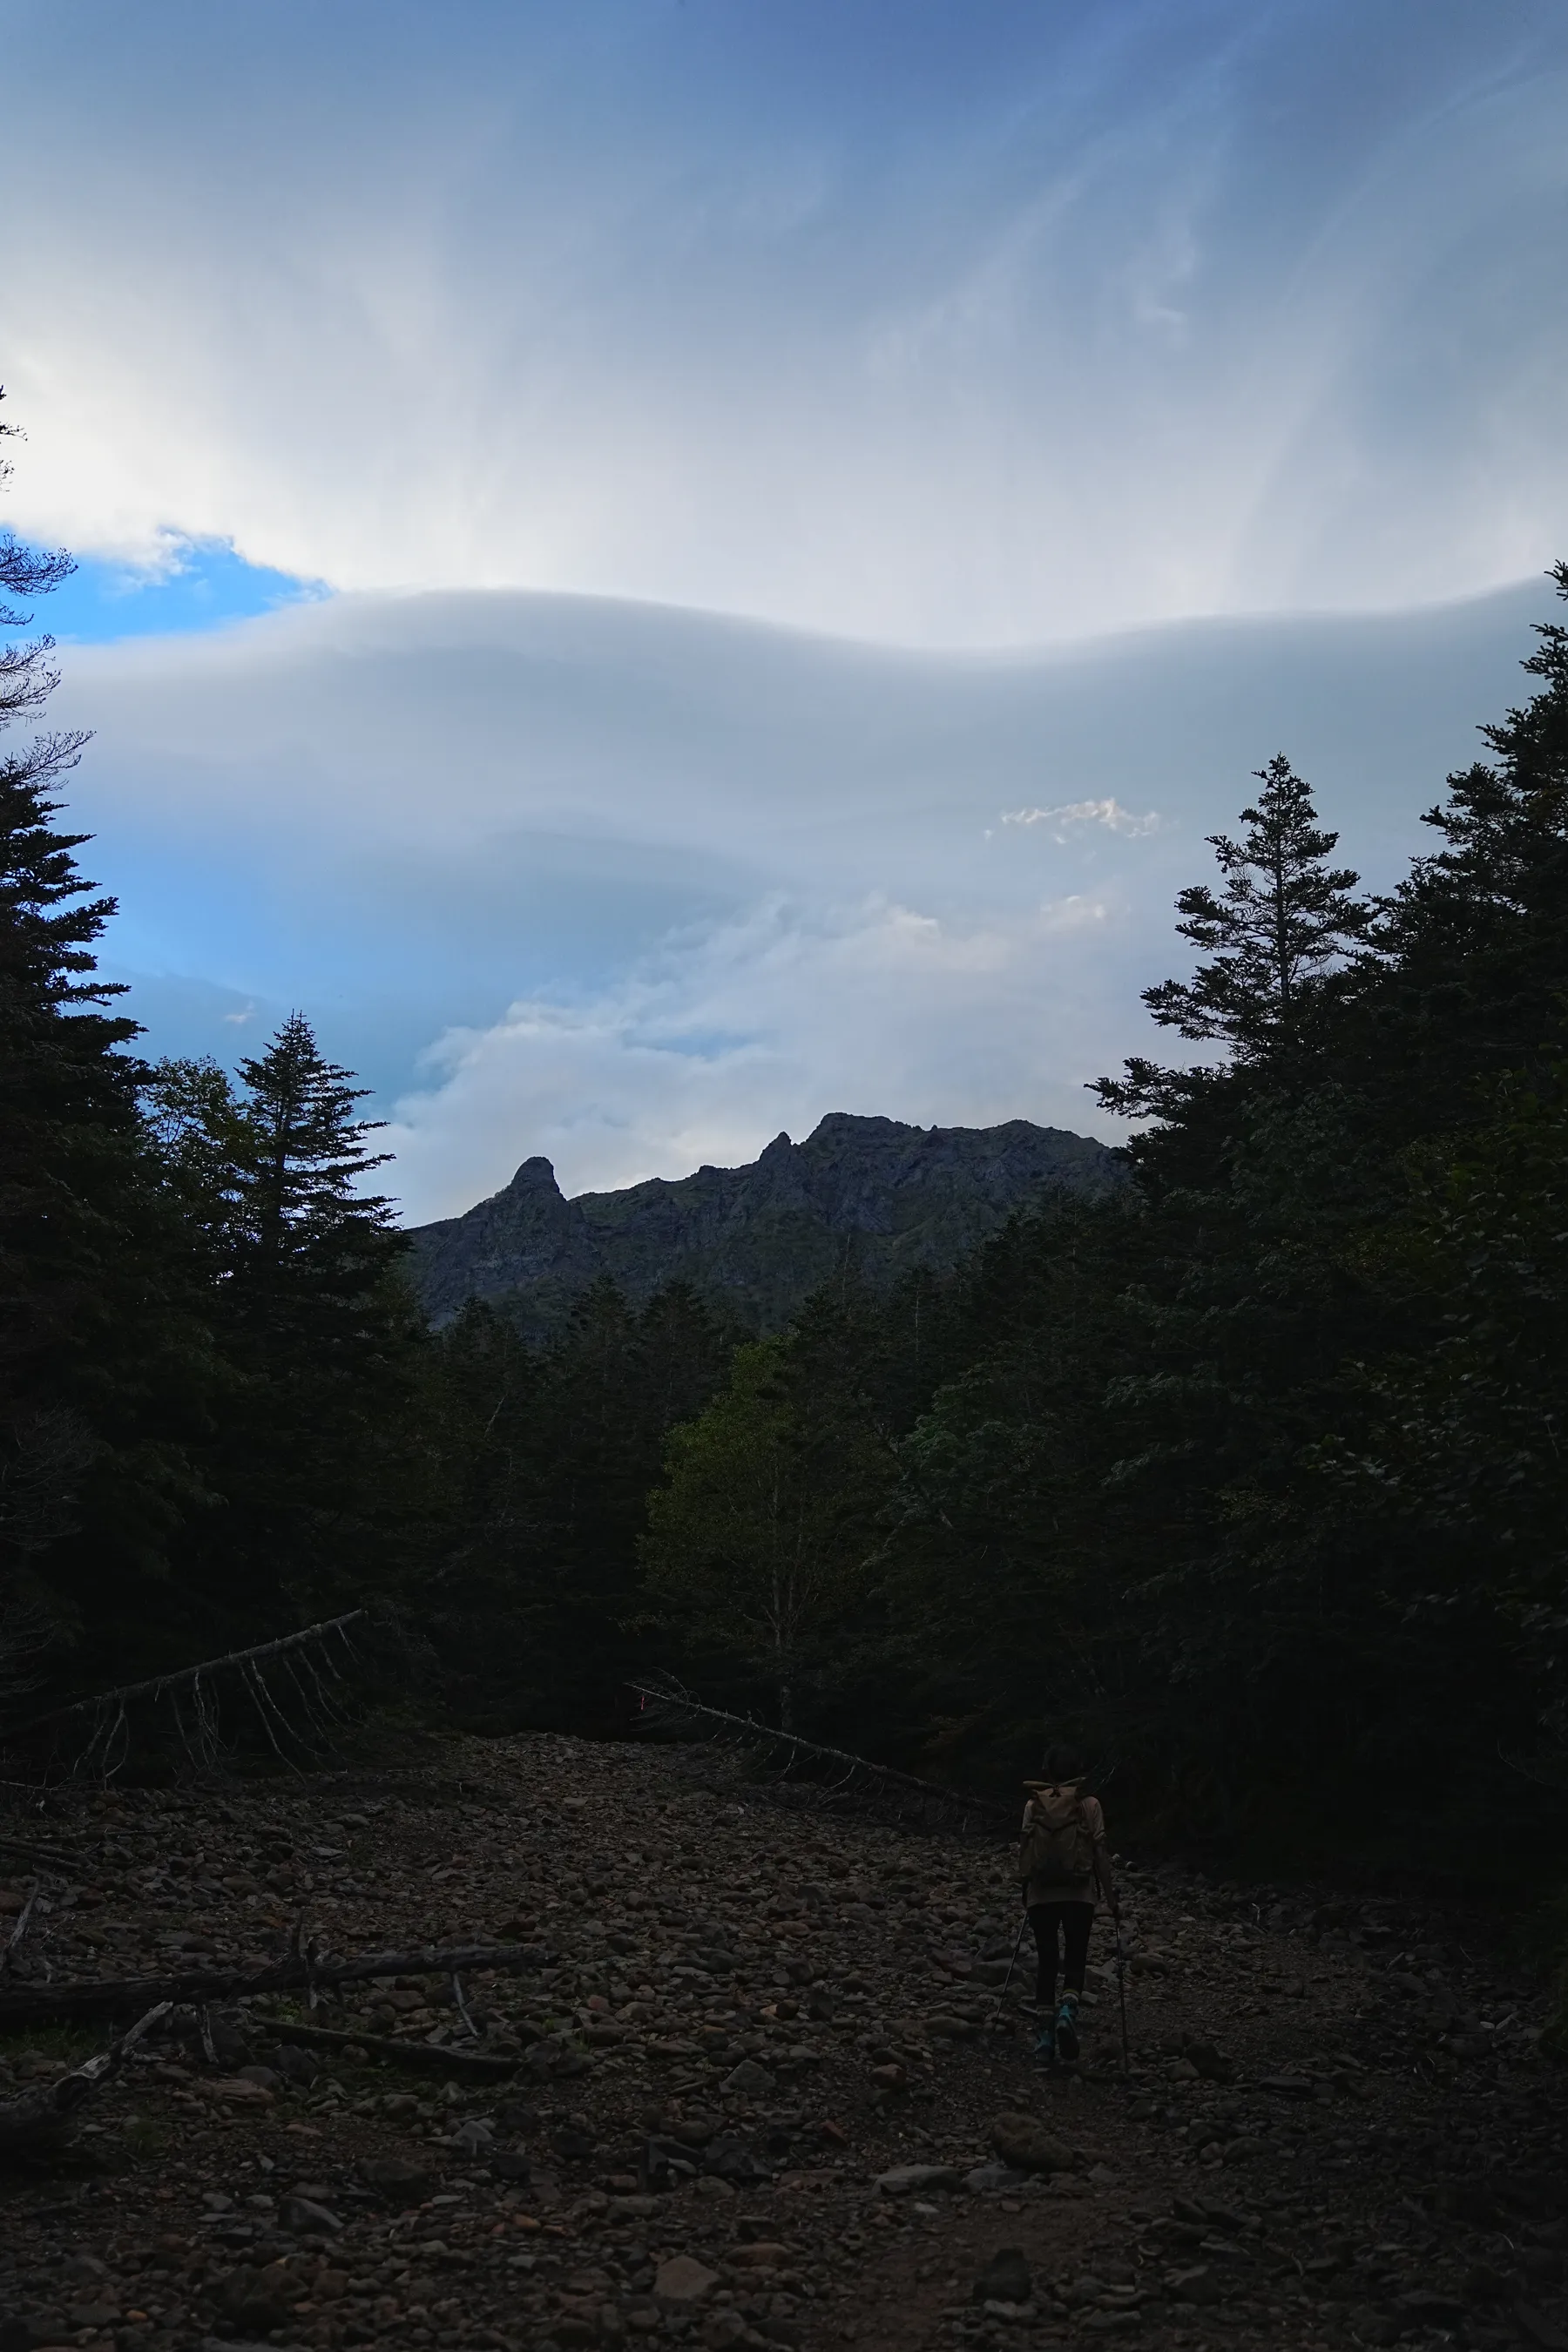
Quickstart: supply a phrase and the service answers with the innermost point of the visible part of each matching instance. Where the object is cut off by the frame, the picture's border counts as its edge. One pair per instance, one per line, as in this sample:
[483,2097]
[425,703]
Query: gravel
[762,2086]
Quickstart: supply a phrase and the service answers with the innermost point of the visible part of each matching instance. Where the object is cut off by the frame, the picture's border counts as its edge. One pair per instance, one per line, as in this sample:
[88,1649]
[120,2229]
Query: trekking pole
[1122,1986]
[1017,1947]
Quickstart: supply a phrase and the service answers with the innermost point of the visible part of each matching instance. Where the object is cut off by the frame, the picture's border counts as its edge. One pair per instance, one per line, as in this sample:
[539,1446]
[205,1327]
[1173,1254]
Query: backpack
[1057,1847]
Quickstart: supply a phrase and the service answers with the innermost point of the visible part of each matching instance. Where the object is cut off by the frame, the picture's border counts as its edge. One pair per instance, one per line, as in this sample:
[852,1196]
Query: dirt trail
[742,2018]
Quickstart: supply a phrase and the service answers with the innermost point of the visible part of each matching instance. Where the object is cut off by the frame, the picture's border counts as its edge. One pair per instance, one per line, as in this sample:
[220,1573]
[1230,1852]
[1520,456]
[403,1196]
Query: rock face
[755,1240]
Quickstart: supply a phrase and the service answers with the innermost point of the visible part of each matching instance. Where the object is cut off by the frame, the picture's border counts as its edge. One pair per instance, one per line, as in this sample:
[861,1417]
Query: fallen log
[762,1735]
[419,2057]
[65,2004]
[36,2124]
[44,1857]
[156,1685]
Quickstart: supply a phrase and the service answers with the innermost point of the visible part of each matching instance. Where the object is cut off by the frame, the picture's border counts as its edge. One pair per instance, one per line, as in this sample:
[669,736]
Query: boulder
[1028,2147]
[749,2081]
[397,2179]
[986,2177]
[1209,2063]
[1004,2279]
[472,2138]
[256,2300]
[905,2179]
[304,2214]
[682,2283]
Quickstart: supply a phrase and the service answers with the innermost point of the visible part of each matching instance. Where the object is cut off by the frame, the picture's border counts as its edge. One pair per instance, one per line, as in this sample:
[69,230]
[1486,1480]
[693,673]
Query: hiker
[1065,1865]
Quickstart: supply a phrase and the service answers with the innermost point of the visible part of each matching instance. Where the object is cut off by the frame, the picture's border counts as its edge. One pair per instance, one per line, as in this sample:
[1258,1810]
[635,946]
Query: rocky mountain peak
[756,1239]
[535,1175]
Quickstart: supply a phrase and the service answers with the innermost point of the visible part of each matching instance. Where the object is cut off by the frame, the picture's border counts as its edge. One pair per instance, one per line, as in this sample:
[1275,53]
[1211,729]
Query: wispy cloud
[966,327]
[709,1048]
[657,884]
[1071,815]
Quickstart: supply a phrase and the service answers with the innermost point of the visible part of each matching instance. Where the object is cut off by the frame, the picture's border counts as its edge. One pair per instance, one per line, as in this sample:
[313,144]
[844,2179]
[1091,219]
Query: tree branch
[764,1735]
[158,1684]
[113,1997]
[40,2119]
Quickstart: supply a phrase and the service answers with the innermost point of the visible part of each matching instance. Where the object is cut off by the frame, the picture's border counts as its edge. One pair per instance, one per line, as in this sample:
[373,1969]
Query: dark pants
[1069,1922]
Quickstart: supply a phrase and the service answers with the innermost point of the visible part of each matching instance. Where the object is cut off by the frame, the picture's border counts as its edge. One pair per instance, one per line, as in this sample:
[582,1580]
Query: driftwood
[855,1767]
[64,2004]
[36,2124]
[420,2057]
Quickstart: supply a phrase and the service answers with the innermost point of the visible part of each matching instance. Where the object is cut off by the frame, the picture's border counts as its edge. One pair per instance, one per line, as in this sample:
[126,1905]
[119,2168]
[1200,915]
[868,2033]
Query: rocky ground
[757,2092]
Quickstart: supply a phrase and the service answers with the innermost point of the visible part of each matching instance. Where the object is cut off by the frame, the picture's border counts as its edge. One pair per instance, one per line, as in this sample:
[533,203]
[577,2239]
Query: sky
[670,566]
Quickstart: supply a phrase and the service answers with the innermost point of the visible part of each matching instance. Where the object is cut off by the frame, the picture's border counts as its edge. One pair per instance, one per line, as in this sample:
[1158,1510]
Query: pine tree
[1279,939]
[102,1359]
[1476,937]
[306,1151]
[67,1114]
[315,1459]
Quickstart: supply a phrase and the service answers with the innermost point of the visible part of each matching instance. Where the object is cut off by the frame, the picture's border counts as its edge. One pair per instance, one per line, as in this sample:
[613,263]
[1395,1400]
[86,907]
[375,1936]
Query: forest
[1249,1479]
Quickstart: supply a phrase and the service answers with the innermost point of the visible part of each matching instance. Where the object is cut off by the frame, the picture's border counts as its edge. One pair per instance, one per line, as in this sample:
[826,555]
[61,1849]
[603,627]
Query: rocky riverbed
[753,2085]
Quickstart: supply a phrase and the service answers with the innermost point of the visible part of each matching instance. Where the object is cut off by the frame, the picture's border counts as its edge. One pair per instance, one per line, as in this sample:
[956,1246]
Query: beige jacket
[1082,1890]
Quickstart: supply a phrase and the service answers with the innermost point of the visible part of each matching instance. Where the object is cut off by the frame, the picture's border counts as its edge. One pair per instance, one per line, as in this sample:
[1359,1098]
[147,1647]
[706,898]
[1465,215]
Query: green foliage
[1278,936]
[1251,1481]
[1247,1475]
[1257,1489]
[103,1356]
[760,1541]
[208,1366]
[317,1486]
[541,1458]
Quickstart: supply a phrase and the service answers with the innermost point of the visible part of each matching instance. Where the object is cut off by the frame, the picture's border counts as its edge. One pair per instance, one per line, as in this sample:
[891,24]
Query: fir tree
[67,1096]
[1477,936]
[101,1359]
[315,1461]
[1279,939]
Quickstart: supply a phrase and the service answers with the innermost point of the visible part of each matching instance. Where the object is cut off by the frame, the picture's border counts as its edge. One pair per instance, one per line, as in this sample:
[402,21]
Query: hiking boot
[1046,2045]
[1067,2028]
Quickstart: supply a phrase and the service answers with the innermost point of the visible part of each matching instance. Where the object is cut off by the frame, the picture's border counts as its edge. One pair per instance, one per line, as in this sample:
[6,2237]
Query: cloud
[970,327]
[789,1011]
[654,883]
[1072,813]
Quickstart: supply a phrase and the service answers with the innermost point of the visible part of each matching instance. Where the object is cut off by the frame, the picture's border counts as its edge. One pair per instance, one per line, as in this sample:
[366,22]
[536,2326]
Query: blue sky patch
[204,584]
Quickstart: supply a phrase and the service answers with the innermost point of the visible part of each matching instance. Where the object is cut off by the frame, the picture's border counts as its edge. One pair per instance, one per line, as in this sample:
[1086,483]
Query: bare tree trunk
[60,2004]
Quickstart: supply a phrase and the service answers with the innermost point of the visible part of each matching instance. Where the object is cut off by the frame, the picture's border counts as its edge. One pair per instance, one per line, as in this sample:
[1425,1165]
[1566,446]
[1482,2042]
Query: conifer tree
[1475,936]
[1279,937]
[73,1196]
[314,1462]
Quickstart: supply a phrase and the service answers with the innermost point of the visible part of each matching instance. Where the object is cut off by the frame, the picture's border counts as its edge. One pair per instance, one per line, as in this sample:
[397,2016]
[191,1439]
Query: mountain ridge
[756,1239]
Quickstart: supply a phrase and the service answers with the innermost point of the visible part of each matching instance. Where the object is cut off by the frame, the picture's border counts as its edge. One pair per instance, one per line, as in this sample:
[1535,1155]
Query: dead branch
[461,2005]
[36,2124]
[44,1857]
[15,1940]
[762,1735]
[158,1685]
[420,2057]
[62,2004]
